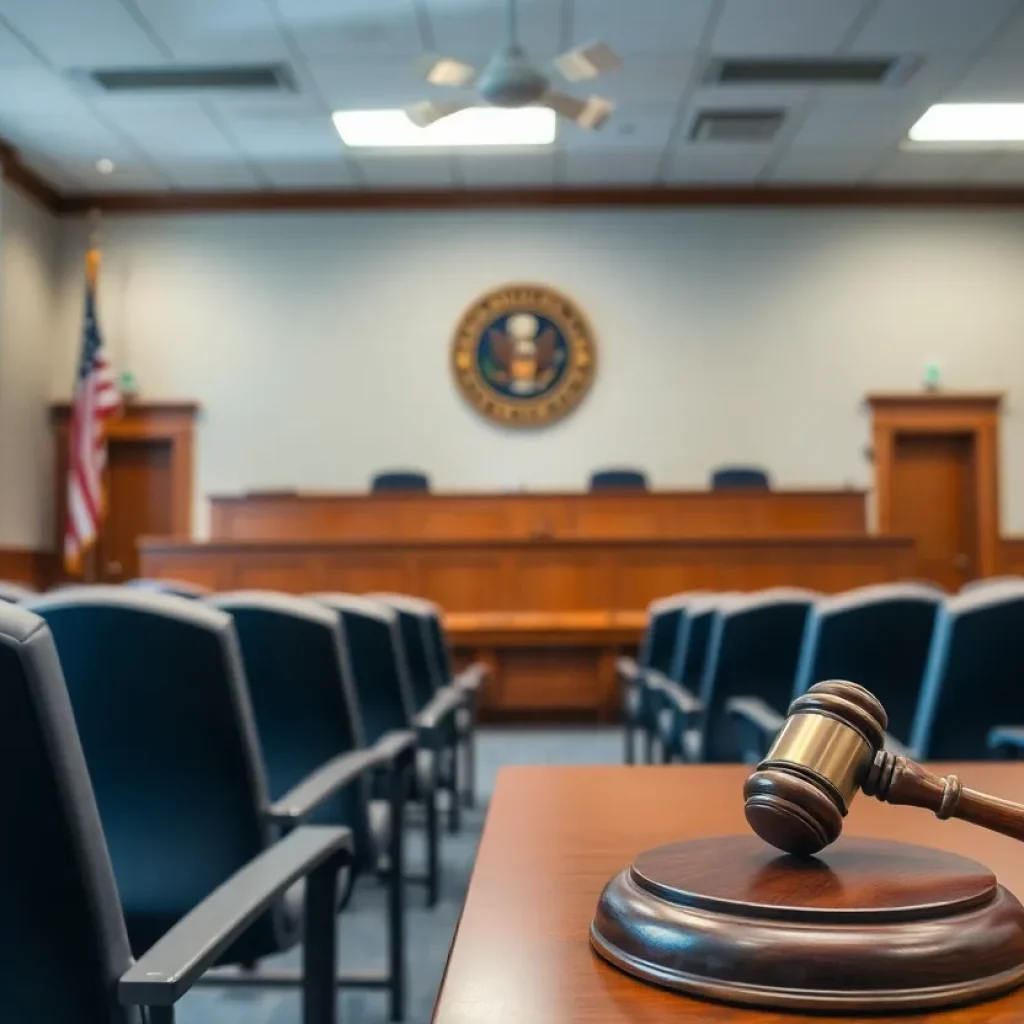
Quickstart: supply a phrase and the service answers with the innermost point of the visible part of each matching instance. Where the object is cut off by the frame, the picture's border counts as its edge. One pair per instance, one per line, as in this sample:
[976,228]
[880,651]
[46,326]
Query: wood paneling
[1013,556]
[606,516]
[149,480]
[551,616]
[21,565]
[898,417]
[556,836]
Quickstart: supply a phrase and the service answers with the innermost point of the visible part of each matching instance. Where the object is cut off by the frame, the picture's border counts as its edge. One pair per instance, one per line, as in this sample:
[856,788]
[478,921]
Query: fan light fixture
[474,126]
[984,123]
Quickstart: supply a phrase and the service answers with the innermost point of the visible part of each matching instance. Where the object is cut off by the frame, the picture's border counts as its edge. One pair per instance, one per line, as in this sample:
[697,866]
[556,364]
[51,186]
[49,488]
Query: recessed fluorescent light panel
[475,126]
[972,123]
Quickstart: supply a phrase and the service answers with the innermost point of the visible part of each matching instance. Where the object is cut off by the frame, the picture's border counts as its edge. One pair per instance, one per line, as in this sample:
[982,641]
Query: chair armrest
[1006,739]
[472,677]
[679,698]
[443,706]
[300,801]
[653,679]
[757,713]
[171,967]
[627,670]
[395,746]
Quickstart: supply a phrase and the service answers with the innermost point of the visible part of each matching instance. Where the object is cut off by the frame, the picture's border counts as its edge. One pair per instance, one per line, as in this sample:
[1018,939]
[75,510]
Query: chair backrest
[753,650]
[974,678]
[15,593]
[420,656]
[179,588]
[877,636]
[618,480]
[160,700]
[990,581]
[61,930]
[374,643]
[300,685]
[740,478]
[662,632]
[400,480]
[691,650]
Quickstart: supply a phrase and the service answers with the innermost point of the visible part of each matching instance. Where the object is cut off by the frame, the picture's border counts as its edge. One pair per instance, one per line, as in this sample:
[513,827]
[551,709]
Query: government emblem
[523,355]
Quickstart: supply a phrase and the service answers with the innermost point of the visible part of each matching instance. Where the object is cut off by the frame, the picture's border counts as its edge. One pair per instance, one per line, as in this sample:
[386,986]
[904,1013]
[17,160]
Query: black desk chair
[66,950]
[878,636]
[400,480]
[740,478]
[177,588]
[163,712]
[972,701]
[447,705]
[618,480]
[753,648]
[15,593]
[374,644]
[297,667]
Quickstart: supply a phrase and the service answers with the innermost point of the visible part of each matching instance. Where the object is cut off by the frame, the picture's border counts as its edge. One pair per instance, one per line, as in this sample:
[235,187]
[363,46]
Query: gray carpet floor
[361,927]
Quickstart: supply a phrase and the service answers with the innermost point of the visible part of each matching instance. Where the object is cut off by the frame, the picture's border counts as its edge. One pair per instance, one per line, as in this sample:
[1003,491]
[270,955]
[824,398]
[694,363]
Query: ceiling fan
[510,80]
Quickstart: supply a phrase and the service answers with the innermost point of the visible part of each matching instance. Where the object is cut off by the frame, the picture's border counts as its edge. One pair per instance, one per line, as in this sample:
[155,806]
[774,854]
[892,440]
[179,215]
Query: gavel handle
[895,779]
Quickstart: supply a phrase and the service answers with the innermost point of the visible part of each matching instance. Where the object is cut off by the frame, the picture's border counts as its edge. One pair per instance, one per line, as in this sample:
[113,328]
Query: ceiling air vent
[809,71]
[736,125]
[247,78]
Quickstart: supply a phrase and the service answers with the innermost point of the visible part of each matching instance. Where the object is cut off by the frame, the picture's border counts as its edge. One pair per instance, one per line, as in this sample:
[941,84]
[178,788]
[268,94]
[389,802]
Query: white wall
[318,343]
[28,252]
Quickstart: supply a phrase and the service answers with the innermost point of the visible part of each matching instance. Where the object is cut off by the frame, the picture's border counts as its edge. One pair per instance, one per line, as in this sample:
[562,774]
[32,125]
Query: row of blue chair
[212,729]
[716,672]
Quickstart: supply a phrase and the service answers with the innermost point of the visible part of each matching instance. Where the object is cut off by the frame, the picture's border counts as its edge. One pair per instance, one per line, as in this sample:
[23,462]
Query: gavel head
[798,796]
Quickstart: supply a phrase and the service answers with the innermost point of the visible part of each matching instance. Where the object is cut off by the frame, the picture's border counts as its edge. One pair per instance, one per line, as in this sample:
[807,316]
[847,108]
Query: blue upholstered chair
[446,705]
[374,644]
[753,648]
[654,658]
[675,700]
[297,665]
[990,581]
[878,636]
[66,955]
[400,480]
[740,478]
[973,698]
[161,704]
[178,588]
[619,480]
[15,593]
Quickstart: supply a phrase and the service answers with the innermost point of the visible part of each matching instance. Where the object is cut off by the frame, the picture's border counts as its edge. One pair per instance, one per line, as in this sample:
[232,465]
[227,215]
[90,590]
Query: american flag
[94,400]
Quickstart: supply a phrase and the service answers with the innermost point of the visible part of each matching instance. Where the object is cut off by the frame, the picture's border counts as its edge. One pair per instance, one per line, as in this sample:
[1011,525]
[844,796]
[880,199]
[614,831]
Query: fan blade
[444,70]
[426,112]
[587,62]
[590,113]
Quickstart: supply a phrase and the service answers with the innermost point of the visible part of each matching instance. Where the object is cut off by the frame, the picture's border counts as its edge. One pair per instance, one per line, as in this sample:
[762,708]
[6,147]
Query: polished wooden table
[554,836]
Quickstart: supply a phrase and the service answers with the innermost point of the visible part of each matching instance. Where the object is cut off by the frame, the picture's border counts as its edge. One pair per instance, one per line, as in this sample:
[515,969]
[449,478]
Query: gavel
[831,745]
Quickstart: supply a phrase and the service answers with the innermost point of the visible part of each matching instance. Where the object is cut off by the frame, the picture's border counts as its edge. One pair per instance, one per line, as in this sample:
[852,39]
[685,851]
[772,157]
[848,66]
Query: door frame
[942,413]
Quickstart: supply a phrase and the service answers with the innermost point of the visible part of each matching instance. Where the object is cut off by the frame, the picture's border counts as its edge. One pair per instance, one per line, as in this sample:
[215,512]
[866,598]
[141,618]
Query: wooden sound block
[868,925]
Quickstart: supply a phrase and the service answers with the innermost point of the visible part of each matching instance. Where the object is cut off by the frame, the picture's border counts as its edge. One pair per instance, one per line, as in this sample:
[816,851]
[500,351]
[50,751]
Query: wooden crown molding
[523,198]
[987,400]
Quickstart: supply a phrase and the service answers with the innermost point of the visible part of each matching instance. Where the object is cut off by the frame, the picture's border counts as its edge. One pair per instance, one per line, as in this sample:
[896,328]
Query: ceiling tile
[1001,169]
[215,30]
[168,128]
[872,121]
[928,168]
[363,29]
[71,133]
[952,26]
[508,168]
[846,166]
[1010,42]
[51,171]
[82,33]
[322,173]
[721,164]
[404,170]
[610,167]
[213,175]
[476,29]
[647,76]
[387,82]
[128,176]
[789,27]
[632,126]
[13,52]
[272,137]
[674,26]
[991,79]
